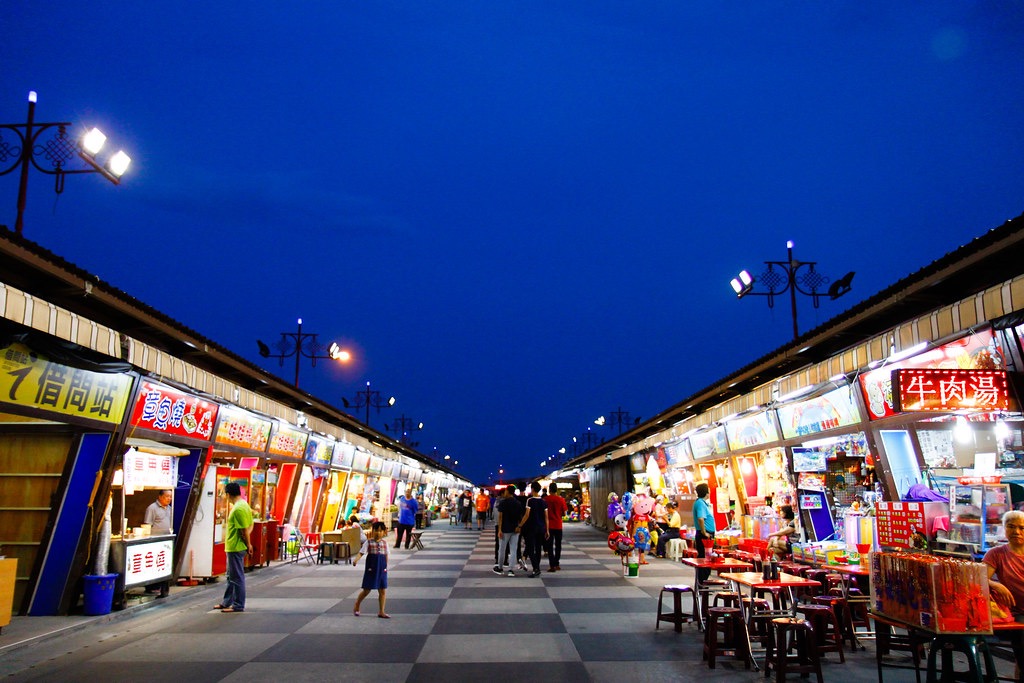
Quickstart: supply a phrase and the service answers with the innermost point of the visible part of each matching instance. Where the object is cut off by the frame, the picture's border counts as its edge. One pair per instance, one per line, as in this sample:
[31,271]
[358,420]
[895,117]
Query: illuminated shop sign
[751,431]
[978,351]
[170,411]
[288,442]
[319,451]
[712,442]
[148,562]
[949,390]
[239,428]
[830,411]
[343,455]
[31,380]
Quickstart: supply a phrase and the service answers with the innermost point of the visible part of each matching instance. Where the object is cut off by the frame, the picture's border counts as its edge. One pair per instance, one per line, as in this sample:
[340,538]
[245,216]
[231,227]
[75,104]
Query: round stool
[727,622]
[728,598]
[757,626]
[676,616]
[841,608]
[792,636]
[674,548]
[828,634]
[976,651]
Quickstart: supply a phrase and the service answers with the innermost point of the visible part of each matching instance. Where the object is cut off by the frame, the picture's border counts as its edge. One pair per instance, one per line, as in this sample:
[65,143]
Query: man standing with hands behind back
[236,544]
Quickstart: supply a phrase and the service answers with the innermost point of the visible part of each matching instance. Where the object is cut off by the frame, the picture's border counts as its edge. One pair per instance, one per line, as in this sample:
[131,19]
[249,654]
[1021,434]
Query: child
[375,575]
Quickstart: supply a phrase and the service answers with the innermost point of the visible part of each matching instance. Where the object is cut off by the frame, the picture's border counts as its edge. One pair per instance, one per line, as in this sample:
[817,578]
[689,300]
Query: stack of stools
[676,616]
[841,608]
[794,636]
[819,576]
[857,603]
[727,622]
[976,651]
[828,634]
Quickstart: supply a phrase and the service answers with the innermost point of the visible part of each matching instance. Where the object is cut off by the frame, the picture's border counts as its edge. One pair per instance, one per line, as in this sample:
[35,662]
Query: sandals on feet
[383,616]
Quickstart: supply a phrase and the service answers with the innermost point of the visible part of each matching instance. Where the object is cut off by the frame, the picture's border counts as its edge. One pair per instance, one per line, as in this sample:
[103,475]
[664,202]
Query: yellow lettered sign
[29,379]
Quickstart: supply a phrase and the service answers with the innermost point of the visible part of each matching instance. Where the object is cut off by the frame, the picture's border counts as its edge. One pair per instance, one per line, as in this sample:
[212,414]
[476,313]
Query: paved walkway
[453,620]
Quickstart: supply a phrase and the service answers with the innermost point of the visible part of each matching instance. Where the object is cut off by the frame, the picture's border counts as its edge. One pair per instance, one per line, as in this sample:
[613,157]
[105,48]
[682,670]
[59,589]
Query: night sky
[519,216]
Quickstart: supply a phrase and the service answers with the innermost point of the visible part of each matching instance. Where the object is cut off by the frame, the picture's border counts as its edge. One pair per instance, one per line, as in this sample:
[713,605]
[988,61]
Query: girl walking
[375,573]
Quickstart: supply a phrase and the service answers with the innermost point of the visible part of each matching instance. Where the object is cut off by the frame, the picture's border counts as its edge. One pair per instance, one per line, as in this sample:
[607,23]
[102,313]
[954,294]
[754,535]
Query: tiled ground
[453,620]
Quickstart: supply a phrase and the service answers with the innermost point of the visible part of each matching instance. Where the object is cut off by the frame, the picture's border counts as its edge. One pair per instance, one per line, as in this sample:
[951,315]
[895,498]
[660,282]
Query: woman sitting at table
[780,542]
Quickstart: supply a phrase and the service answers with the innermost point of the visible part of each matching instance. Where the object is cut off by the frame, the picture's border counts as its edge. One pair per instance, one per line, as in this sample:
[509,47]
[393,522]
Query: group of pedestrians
[537,522]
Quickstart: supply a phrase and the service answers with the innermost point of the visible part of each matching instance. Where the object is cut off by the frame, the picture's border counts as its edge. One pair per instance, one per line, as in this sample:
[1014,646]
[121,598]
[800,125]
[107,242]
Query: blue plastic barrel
[99,593]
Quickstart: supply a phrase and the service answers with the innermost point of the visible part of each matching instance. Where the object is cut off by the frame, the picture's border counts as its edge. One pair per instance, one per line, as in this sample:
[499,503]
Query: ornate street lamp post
[789,278]
[303,345]
[52,155]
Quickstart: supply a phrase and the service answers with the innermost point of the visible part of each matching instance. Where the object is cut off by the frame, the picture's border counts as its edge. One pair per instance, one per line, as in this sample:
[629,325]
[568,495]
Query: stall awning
[155,447]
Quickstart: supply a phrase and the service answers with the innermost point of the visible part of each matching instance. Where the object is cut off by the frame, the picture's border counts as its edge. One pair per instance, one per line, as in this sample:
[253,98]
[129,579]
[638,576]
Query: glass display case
[975,518]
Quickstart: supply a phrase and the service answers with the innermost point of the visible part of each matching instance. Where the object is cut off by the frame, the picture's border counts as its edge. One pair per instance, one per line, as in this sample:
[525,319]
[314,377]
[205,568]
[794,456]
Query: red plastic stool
[828,634]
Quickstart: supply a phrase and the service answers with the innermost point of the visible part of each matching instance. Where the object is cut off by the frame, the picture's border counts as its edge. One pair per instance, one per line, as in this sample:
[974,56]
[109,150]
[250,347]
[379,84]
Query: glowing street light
[303,345]
[52,155]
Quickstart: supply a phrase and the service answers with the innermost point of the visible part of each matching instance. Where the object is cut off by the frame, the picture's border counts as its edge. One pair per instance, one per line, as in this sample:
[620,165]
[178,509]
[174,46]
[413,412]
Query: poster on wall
[174,412]
[242,429]
[711,442]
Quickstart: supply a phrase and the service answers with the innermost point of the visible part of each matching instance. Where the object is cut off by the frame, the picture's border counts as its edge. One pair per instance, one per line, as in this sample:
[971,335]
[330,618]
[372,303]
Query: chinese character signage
[148,562]
[978,351]
[30,380]
[288,442]
[242,429]
[170,411]
[949,390]
[148,470]
[751,431]
[830,411]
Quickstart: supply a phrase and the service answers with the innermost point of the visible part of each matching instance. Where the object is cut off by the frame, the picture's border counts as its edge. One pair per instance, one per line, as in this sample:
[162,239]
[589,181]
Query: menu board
[361,460]
[242,429]
[897,521]
[30,380]
[937,447]
[148,470]
[170,411]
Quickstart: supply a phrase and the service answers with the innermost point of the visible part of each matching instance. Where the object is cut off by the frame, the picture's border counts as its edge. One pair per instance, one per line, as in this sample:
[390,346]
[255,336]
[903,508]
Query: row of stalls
[87,443]
[927,411]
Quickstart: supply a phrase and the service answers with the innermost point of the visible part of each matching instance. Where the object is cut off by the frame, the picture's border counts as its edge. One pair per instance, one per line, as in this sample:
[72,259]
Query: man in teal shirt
[704,522]
[236,544]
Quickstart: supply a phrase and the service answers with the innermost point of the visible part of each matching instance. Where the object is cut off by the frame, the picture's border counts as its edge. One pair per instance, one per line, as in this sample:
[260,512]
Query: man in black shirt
[506,530]
[534,527]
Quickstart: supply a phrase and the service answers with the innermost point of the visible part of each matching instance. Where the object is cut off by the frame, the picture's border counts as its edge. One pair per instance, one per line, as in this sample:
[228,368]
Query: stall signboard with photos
[747,432]
[241,429]
[288,442]
[173,412]
[822,413]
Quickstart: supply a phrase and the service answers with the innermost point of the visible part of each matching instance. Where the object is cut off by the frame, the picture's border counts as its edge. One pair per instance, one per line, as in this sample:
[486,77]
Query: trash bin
[99,593]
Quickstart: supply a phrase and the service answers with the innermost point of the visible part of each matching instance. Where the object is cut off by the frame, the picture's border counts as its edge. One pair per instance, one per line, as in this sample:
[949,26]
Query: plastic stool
[792,635]
[674,548]
[976,651]
[844,617]
[676,616]
[829,636]
[728,598]
[727,621]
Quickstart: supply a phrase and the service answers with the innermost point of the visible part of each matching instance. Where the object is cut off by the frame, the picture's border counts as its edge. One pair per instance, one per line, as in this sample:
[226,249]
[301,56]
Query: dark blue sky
[520,215]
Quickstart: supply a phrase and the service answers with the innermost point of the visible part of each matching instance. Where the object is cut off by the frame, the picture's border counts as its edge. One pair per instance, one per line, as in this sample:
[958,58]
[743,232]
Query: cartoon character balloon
[615,510]
[643,506]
